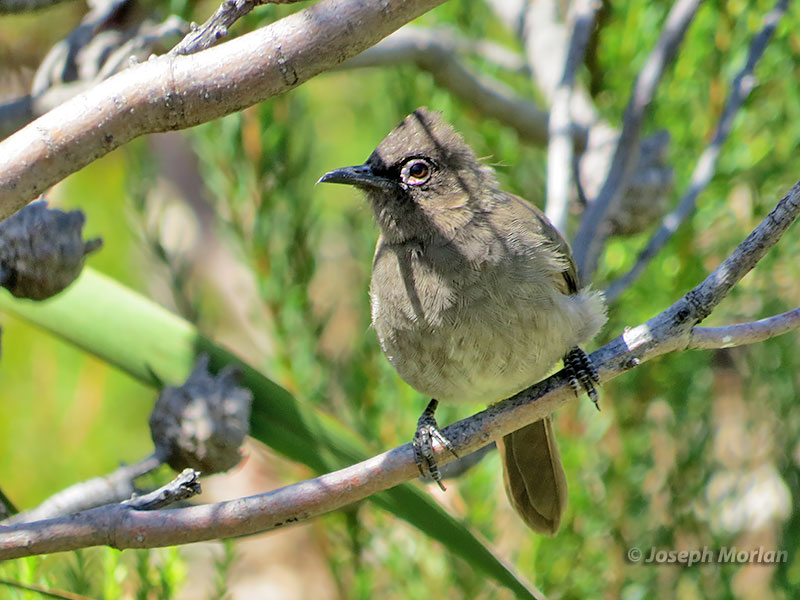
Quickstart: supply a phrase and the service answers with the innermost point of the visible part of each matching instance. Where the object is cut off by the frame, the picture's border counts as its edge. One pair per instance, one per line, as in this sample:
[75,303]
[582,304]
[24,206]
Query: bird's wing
[525,212]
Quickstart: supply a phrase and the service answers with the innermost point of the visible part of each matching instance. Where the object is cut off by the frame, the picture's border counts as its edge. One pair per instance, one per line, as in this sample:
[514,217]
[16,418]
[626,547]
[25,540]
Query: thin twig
[594,228]
[671,330]
[706,166]
[24,6]
[559,148]
[546,40]
[706,296]
[217,25]
[744,333]
[109,489]
[437,52]
[411,42]
[147,37]
[184,486]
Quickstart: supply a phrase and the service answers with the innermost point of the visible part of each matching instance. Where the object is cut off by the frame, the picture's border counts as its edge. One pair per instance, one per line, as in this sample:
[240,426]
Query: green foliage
[101,573]
[222,569]
[676,456]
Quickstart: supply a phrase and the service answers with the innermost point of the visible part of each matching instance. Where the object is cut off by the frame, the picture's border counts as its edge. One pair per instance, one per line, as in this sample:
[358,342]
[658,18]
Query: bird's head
[423,180]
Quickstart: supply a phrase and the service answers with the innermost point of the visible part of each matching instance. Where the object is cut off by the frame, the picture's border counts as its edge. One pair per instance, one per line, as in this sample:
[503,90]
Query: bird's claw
[582,373]
[427,431]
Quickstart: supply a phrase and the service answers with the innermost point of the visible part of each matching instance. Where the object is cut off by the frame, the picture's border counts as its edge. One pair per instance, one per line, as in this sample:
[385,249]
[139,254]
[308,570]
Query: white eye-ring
[416,171]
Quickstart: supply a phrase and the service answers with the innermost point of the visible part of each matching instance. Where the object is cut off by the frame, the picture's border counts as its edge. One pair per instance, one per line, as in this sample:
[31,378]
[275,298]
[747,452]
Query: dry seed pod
[646,197]
[42,250]
[202,423]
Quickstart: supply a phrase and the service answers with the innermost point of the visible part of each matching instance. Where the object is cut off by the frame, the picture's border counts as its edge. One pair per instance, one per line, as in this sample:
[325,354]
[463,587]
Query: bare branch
[594,228]
[21,6]
[706,166]
[744,333]
[16,113]
[218,24]
[547,45]
[436,52]
[559,148]
[413,42]
[147,37]
[174,92]
[546,40]
[511,13]
[120,527]
[109,489]
[184,486]
[705,297]
[672,329]
[61,64]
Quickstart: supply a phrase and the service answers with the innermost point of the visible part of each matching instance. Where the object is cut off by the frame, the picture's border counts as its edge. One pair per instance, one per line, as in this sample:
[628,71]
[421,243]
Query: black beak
[360,176]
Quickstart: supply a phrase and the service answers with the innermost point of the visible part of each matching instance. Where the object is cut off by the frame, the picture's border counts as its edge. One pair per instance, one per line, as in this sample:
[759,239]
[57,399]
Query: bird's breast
[466,332]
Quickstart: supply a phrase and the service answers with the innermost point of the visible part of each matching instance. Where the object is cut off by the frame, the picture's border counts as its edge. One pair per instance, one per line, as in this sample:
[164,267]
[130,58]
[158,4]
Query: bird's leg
[427,431]
[582,373]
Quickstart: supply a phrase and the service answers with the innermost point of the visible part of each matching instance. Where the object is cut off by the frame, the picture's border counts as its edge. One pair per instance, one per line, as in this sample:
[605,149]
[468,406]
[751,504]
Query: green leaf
[145,340]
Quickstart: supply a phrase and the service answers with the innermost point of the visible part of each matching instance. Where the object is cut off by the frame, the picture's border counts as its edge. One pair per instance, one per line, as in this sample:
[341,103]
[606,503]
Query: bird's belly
[478,356]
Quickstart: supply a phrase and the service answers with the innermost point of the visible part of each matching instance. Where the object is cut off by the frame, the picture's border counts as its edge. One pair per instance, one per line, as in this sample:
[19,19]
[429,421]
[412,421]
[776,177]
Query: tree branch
[744,333]
[184,486]
[23,6]
[594,228]
[559,148]
[111,488]
[547,45]
[413,42]
[706,166]
[436,51]
[175,92]
[218,24]
[18,112]
[673,329]
[546,40]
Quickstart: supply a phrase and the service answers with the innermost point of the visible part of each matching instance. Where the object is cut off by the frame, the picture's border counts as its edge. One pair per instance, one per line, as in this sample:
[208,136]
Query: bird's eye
[416,171]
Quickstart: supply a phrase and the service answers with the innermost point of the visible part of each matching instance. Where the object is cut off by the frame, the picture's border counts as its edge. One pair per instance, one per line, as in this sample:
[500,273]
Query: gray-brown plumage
[474,293]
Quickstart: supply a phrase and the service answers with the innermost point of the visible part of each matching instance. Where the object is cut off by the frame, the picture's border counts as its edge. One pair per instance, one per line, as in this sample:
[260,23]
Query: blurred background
[223,225]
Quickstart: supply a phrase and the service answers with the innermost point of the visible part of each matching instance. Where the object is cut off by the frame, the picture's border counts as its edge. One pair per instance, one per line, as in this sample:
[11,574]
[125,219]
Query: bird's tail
[534,478]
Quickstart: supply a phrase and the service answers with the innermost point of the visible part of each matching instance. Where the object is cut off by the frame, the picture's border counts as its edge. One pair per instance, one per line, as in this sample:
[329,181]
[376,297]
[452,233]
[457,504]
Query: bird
[474,297]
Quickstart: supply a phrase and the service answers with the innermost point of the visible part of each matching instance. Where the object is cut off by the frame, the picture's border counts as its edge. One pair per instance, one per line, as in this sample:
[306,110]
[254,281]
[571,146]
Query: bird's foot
[582,373]
[427,431]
